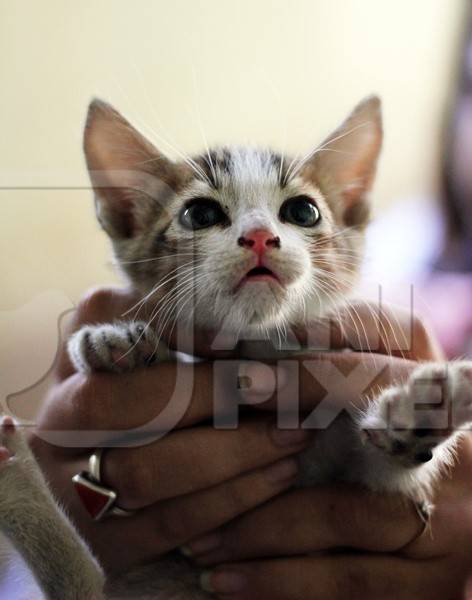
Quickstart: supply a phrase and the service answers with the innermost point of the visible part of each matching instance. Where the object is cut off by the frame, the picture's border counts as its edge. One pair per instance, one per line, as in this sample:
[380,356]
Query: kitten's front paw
[116,347]
[408,422]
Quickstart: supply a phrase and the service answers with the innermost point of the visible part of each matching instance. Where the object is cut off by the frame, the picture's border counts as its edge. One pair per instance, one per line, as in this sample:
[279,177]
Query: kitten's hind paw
[408,422]
[117,347]
[12,441]
[8,426]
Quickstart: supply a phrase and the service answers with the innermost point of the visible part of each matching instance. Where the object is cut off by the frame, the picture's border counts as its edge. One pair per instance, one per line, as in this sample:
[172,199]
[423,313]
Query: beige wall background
[265,71]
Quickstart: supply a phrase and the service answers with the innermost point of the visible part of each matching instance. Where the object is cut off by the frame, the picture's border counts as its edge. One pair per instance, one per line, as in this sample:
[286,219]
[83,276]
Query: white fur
[62,564]
[252,200]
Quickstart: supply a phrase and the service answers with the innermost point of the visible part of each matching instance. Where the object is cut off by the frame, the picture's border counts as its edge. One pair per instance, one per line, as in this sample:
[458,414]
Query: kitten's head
[240,237]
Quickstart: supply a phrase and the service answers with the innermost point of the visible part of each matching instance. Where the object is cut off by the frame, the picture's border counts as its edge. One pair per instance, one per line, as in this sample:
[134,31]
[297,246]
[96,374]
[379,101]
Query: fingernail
[244,382]
[186,551]
[290,437]
[281,471]
[222,582]
[204,544]
[258,378]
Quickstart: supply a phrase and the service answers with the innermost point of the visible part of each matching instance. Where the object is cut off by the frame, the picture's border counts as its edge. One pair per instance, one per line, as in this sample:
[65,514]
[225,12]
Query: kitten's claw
[8,425]
[12,441]
[408,422]
[5,454]
[117,347]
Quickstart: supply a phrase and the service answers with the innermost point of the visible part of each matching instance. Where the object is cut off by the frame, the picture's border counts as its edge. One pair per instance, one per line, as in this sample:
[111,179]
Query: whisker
[155,258]
[200,126]
[356,328]
[169,277]
[323,147]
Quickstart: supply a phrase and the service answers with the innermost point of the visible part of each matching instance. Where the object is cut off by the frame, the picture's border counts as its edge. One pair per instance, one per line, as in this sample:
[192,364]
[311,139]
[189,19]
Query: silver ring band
[94,468]
[94,465]
[98,499]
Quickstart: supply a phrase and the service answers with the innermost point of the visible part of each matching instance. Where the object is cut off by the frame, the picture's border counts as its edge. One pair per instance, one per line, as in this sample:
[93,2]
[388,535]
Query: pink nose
[259,240]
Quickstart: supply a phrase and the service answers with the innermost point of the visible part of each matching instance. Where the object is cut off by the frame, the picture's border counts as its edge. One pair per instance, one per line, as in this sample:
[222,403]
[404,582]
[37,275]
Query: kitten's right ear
[130,176]
[345,163]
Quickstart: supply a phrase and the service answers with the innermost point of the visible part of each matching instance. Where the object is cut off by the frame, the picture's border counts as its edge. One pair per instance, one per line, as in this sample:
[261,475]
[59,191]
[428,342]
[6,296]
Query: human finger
[315,519]
[194,459]
[357,577]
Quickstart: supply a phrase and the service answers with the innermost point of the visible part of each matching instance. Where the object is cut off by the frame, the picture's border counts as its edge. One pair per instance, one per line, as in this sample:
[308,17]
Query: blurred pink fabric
[402,247]
[449,300]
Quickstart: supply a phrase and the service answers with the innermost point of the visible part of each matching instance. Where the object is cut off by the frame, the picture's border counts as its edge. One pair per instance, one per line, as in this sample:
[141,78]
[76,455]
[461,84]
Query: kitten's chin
[261,303]
[258,306]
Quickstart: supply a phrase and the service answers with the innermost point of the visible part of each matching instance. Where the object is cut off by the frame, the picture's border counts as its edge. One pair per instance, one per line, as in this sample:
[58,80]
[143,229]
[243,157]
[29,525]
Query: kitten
[245,241]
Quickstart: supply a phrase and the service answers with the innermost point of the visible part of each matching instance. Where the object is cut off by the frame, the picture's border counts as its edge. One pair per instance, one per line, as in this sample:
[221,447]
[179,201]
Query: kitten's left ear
[131,178]
[345,163]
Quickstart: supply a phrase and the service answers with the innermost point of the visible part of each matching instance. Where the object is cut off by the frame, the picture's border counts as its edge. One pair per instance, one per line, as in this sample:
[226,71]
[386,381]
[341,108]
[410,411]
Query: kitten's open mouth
[259,273]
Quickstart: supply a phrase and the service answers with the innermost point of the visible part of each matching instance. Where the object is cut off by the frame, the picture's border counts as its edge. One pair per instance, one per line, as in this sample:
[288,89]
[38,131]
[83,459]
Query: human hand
[332,542]
[342,541]
[185,483]
[218,471]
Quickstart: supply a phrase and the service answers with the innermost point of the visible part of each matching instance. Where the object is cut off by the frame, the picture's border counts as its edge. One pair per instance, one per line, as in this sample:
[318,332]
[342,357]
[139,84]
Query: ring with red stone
[98,500]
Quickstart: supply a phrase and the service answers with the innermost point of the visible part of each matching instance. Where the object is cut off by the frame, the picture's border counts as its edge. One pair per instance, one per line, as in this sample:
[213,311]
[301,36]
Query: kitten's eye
[300,211]
[201,213]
